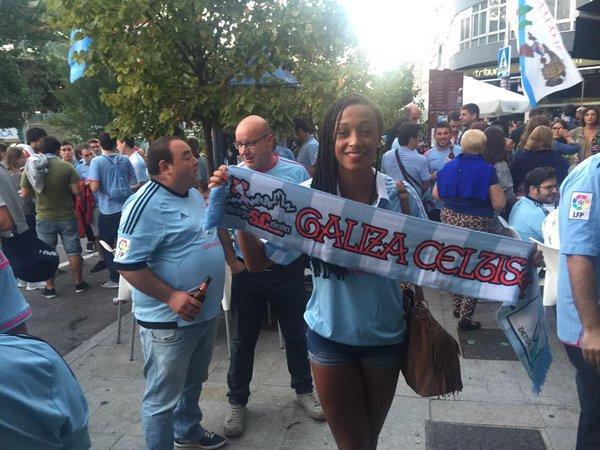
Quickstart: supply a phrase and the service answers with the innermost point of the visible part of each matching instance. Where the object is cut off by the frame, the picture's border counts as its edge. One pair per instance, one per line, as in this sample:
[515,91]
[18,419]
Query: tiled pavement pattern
[496,394]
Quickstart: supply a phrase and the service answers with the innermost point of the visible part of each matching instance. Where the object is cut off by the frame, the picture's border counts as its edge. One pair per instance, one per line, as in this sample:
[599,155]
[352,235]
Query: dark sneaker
[209,440]
[100,265]
[89,248]
[468,325]
[81,287]
[48,293]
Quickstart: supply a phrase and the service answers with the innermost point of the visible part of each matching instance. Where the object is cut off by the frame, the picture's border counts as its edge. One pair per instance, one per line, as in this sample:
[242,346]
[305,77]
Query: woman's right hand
[219,177]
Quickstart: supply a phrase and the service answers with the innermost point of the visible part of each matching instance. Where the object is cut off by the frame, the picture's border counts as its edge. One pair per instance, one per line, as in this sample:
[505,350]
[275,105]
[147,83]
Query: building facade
[477,29]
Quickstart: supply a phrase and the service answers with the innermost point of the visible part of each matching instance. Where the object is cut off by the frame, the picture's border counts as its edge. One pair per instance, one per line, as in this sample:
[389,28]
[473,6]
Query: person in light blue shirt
[164,252]
[578,306]
[14,309]
[528,214]
[284,152]
[413,166]
[112,178]
[437,157]
[46,407]
[356,320]
[444,150]
[126,147]
[202,184]
[43,406]
[309,149]
[66,153]
[101,167]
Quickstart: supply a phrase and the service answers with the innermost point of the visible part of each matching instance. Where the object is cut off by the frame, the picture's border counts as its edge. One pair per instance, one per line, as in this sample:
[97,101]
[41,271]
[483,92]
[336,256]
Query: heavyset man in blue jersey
[164,252]
[281,285]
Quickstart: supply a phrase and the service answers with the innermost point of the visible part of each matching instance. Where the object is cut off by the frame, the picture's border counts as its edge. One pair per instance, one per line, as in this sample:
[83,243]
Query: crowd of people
[344,344]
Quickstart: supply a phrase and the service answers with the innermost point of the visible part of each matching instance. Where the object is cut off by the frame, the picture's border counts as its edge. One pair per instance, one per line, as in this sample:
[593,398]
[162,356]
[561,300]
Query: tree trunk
[207,129]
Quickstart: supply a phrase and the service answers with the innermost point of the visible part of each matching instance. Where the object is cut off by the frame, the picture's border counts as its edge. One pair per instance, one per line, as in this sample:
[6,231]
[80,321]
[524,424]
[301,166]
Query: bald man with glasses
[280,285]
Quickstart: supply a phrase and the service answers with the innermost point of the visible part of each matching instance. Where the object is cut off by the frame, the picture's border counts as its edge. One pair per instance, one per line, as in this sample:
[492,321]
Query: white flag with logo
[546,66]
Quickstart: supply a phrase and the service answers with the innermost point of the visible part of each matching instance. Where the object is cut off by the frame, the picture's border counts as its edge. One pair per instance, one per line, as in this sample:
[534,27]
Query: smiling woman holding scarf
[356,320]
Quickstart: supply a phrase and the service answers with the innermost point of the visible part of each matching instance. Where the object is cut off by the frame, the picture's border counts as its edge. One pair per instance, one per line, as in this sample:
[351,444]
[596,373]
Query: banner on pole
[545,64]
[78,46]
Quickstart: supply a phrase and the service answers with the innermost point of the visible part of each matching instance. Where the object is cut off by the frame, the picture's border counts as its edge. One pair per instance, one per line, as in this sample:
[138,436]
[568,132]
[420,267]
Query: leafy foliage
[82,114]
[31,61]
[392,91]
[174,60]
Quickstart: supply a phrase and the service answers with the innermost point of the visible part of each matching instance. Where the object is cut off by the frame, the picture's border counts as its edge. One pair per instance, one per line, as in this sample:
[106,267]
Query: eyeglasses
[549,187]
[249,144]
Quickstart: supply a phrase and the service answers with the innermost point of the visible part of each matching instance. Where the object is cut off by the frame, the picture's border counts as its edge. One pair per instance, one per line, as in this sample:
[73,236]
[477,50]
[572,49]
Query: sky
[391,32]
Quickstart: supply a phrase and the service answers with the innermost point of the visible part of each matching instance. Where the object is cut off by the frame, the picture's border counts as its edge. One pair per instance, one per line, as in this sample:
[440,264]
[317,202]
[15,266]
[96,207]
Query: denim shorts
[325,352]
[49,230]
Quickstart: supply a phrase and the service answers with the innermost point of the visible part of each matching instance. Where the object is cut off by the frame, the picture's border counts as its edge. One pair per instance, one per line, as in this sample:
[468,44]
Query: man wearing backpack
[112,177]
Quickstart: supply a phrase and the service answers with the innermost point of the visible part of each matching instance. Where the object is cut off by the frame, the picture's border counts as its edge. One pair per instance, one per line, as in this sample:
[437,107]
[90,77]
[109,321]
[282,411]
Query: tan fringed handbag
[431,365]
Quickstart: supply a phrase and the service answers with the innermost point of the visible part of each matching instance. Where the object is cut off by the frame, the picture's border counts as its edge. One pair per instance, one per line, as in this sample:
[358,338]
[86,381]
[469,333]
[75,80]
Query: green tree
[174,60]
[32,61]
[392,91]
[82,114]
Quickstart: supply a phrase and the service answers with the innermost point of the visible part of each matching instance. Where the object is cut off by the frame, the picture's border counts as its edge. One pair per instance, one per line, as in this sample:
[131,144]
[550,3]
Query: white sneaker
[35,286]
[311,405]
[21,283]
[110,285]
[235,422]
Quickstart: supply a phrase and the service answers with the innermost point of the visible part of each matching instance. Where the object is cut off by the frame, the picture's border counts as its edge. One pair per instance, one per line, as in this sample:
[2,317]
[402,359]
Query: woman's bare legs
[356,401]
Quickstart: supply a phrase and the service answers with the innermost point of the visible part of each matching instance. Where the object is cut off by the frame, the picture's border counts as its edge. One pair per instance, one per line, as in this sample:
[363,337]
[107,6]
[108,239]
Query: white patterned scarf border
[365,238]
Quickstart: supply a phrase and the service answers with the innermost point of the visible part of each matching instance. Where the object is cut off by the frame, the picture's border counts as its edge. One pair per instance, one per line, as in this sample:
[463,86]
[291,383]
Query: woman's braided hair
[326,168]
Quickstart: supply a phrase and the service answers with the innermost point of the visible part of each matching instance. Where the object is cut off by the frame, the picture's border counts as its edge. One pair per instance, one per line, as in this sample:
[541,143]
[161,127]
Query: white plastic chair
[226,305]
[551,260]
[510,231]
[123,296]
[550,230]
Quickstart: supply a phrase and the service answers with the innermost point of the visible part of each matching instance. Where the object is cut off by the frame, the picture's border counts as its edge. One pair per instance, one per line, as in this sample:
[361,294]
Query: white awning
[492,100]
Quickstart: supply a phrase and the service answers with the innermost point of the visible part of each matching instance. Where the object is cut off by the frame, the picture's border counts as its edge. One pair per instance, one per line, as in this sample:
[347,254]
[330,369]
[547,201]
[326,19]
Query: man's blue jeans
[176,365]
[284,288]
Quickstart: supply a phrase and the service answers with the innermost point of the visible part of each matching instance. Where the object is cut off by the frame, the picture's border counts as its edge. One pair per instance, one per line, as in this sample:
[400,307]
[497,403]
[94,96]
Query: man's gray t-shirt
[10,199]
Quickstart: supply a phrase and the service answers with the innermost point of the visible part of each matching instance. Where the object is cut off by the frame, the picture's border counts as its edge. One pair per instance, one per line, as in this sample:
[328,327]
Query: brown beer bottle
[201,294]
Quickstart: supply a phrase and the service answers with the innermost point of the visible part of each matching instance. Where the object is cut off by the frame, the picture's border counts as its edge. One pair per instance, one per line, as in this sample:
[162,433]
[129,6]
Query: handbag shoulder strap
[407,176]
[405,206]
[403,195]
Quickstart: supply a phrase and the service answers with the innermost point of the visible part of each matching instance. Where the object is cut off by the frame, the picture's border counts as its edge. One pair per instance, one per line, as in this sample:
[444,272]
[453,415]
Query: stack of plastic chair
[226,305]
[123,296]
[508,230]
[551,260]
[550,230]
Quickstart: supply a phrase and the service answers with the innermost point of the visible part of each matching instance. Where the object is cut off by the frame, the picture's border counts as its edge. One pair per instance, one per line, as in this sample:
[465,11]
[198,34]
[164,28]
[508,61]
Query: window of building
[485,22]
[561,10]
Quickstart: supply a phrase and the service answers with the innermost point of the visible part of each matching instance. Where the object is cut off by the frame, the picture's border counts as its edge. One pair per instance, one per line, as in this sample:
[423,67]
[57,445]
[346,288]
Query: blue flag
[77,46]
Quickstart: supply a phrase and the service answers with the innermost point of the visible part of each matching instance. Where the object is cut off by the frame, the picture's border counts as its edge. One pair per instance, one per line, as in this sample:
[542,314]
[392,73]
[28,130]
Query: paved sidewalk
[496,393]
